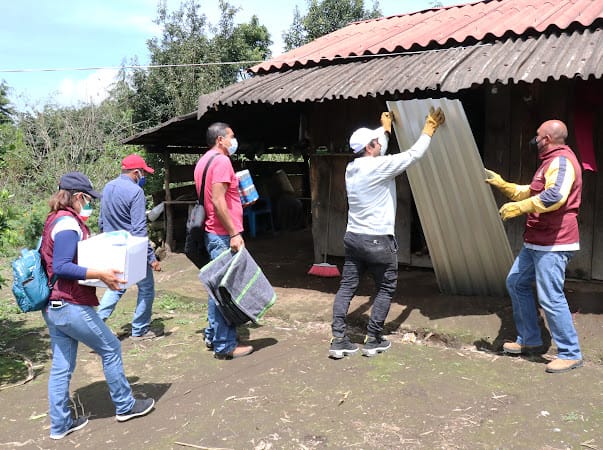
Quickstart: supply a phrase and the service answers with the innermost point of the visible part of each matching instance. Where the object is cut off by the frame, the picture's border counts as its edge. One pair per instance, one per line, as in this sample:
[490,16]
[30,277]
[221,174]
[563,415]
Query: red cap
[134,161]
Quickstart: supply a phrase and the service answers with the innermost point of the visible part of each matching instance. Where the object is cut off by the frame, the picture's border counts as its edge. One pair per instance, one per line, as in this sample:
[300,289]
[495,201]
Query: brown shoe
[239,351]
[563,365]
[517,349]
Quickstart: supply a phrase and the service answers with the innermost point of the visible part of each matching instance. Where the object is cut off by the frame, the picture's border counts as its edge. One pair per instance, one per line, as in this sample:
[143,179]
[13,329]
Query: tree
[204,54]
[247,42]
[324,17]
[56,140]
[160,93]
[6,110]
[297,35]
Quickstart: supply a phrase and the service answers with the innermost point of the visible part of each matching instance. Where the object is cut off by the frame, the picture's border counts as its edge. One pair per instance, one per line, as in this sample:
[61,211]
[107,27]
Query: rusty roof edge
[450,70]
[322,49]
[225,96]
[264,69]
[173,120]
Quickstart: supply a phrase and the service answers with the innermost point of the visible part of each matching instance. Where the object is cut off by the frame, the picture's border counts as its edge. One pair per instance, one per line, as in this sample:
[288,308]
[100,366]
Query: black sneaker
[141,407]
[374,345]
[208,344]
[77,424]
[341,346]
[150,334]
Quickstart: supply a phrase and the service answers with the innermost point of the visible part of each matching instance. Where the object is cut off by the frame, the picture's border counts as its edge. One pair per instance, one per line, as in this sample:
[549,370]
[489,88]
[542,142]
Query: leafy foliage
[38,146]
[324,17]
[196,58]
[161,93]
[59,140]
[296,36]
[6,215]
[6,110]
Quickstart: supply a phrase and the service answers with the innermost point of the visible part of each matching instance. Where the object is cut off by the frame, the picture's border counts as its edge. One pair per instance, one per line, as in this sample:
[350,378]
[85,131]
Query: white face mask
[85,210]
[233,146]
[383,141]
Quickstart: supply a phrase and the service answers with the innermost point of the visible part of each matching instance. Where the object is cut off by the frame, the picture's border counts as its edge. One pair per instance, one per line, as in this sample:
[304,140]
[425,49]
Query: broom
[325,269]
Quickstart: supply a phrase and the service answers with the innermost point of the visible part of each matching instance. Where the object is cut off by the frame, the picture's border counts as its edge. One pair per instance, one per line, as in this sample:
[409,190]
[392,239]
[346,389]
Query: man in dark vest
[551,202]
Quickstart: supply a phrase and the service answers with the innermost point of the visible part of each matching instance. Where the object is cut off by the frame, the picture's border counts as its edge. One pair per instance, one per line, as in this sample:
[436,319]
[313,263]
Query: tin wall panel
[467,242]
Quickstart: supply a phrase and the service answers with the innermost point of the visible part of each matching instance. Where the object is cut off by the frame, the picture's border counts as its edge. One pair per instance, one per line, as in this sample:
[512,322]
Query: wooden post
[169,214]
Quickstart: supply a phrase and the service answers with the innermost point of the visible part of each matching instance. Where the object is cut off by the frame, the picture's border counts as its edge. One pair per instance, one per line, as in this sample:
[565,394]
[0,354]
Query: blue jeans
[141,320]
[69,324]
[547,269]
[378,256]
[219,332]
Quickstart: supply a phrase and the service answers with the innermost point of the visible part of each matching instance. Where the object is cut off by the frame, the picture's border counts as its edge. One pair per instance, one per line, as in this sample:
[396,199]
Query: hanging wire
[221,63]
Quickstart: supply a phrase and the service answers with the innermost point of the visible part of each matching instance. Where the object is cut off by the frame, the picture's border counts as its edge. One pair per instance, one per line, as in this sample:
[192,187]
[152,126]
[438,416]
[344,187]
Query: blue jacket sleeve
[138,215]
[63,255]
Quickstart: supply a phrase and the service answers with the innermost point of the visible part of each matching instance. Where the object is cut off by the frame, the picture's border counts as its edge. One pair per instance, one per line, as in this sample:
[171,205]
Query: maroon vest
[64,289]
[559,226]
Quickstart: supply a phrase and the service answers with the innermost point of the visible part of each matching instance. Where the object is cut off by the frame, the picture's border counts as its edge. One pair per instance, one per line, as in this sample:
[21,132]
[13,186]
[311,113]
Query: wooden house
[512,63]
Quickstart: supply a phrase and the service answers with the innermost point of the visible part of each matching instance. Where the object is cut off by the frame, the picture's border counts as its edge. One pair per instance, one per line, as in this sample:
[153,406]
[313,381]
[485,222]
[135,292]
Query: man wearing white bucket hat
[369,241]
[223,228]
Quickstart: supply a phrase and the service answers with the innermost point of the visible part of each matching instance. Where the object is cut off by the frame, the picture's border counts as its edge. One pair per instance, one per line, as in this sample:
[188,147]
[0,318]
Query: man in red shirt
[551,202]
[223,228]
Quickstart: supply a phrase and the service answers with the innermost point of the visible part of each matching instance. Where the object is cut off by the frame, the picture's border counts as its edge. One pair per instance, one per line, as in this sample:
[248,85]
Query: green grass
[12,369]
[175,303]
[572,417]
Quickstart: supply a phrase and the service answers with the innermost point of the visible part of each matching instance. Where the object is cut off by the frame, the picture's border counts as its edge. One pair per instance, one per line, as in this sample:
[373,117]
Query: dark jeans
[378,256]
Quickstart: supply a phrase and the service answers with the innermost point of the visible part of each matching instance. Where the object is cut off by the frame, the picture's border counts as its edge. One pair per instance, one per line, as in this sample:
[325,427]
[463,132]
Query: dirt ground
[443,385]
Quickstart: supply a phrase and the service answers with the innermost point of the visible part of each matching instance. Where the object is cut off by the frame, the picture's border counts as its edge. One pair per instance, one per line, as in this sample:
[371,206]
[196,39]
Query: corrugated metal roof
[444,26]
[529,59]
[577,54]
[467,242]
[171,132]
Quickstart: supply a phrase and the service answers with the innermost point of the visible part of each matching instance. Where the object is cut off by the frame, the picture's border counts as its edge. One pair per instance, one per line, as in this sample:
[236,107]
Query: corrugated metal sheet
[449,70]
[541,58]
[444,26]
[467,242]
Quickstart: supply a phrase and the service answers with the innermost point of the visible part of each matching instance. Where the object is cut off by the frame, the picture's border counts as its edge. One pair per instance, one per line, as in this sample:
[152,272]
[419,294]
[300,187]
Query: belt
[56,303]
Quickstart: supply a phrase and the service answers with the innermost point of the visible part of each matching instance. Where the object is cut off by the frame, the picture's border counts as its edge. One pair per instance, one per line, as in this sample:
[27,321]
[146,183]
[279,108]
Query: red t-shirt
[220,171]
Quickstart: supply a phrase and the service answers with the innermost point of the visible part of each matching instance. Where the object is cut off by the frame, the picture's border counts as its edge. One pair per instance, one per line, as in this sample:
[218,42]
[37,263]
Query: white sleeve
[66,223]
[394,165]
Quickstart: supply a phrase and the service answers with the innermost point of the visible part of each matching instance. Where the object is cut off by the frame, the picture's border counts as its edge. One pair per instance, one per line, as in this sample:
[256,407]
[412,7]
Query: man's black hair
[214,130]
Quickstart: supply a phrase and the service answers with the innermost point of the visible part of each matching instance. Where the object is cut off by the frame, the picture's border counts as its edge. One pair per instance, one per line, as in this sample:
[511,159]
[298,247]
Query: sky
[37,35]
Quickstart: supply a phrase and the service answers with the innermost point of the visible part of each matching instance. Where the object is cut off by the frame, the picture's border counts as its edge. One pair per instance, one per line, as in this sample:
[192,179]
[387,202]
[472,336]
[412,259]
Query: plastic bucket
[283,182]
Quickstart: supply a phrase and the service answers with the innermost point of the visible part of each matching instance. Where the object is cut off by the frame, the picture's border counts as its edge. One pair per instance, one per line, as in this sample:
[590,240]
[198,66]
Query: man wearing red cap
[123,207]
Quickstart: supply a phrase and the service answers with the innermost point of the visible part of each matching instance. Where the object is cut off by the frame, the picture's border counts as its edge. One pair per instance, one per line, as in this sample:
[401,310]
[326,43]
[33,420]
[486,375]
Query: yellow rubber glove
[386,121]
[435,118]
[508,189]
[514,209]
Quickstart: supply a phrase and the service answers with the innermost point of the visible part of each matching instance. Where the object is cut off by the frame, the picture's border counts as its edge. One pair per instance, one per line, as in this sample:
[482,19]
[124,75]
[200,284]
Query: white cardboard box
[114,250]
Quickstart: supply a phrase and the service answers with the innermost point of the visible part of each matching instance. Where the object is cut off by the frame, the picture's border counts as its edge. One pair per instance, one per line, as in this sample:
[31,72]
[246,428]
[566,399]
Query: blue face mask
[234,145]
[142,180]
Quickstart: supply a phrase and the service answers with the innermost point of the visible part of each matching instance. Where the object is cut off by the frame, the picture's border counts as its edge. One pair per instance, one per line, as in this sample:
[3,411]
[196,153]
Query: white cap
[362,136]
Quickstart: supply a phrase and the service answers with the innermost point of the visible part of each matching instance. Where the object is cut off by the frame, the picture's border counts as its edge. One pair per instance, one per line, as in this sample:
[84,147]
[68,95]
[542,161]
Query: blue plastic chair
[261,207]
